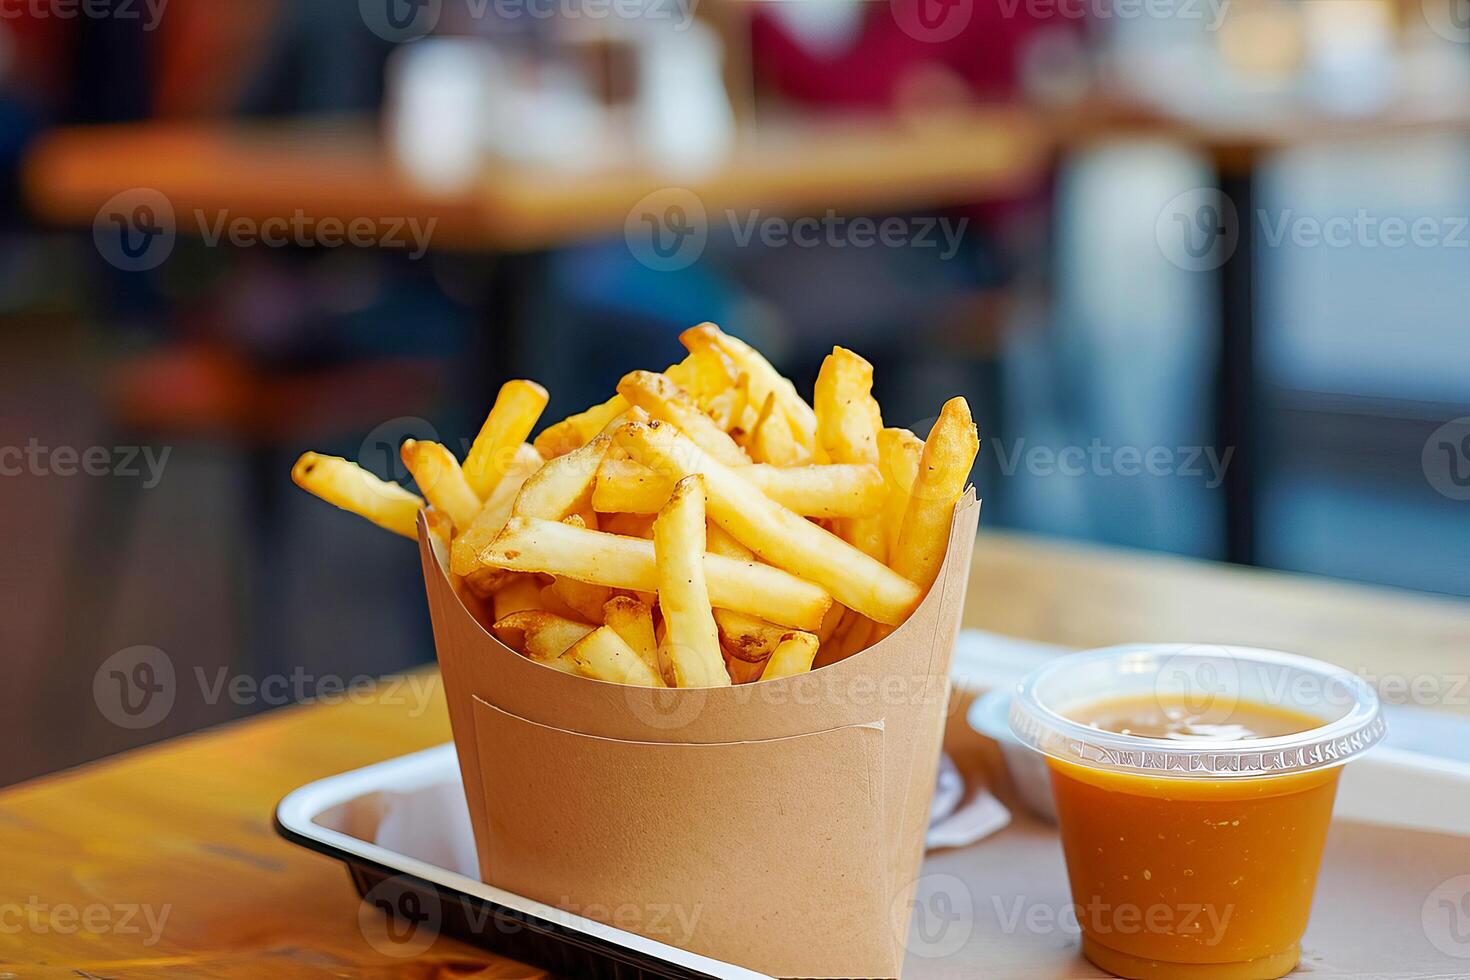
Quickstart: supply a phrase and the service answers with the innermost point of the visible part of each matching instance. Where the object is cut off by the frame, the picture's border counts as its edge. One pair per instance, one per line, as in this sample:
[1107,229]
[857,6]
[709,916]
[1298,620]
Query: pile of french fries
[705,526]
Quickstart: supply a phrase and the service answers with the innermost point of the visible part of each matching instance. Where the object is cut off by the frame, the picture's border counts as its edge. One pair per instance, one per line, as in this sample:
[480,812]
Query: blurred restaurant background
[1201,266]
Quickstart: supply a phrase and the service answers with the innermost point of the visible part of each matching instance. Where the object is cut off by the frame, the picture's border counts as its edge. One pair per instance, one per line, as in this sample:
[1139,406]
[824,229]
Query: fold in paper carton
[777,825]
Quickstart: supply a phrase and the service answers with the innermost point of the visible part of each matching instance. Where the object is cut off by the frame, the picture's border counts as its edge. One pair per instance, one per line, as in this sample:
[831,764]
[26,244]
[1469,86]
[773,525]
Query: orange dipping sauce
[1192,877]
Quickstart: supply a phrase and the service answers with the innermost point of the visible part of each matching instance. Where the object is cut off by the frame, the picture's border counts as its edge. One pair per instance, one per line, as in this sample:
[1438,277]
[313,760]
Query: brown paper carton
[776,825]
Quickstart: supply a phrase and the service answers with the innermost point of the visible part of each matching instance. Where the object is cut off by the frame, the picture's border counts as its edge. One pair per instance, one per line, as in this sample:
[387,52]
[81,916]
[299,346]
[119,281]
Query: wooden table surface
[340,168]
[163,862]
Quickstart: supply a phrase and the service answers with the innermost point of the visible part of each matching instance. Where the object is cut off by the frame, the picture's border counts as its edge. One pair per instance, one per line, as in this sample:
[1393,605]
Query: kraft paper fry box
[776,825]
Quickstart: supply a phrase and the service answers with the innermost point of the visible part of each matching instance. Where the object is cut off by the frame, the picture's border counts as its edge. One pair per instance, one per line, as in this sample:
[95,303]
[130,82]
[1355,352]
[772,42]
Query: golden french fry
[633,621]
[440,526]
[492,517]
[793,656]
[719,542]
[543,635]
[603,655]
[693,645]
[779,536]
[944,468]
[631,525]
[583,599]
[746,637]
[627,486]
[514,414]
[703,374]
[438,475]
[666,401]
[764,380]
[830,622]
[899,451]
[344,484]
[575,431]
[519,593]
[728,407]
[564,484]
[619,562]
[848,423]
[741,671]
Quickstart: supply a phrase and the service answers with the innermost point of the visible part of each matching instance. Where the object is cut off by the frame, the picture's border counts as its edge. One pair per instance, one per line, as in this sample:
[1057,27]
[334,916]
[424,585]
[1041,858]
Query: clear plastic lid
[1211,682]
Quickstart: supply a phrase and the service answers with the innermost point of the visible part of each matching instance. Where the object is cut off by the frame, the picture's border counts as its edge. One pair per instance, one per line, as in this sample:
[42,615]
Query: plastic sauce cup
[1194,854]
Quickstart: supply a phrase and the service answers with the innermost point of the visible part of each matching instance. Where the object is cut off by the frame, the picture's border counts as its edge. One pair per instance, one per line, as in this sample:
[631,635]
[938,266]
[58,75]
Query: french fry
[443,483]
[743,672]
[792,657]
[719,542]
[440,526]
[830,622]
[603,655]
[746,637]
[492,517]
[619,562]
[693,644]
[521,593]
[626,486]
[575,431]
[848,423]
[517,407]
[703,374]
[344,484]
[666,401]
[630,525]
[899,451]
[728,407]
[543,635]
[633,621]
[777,535]
[944,468]
[583,599]
[563,485]
[764,380]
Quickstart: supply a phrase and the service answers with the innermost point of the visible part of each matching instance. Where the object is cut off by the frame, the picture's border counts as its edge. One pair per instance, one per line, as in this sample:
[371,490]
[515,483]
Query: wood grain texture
[183,829]
[340,169]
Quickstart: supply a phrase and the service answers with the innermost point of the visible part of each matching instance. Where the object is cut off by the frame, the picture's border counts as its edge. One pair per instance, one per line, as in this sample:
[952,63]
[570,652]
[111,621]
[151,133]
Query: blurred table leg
[1236,383]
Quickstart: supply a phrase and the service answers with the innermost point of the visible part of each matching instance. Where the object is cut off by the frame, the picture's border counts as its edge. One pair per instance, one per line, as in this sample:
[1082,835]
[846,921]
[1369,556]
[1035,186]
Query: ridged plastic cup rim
[1334,743]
